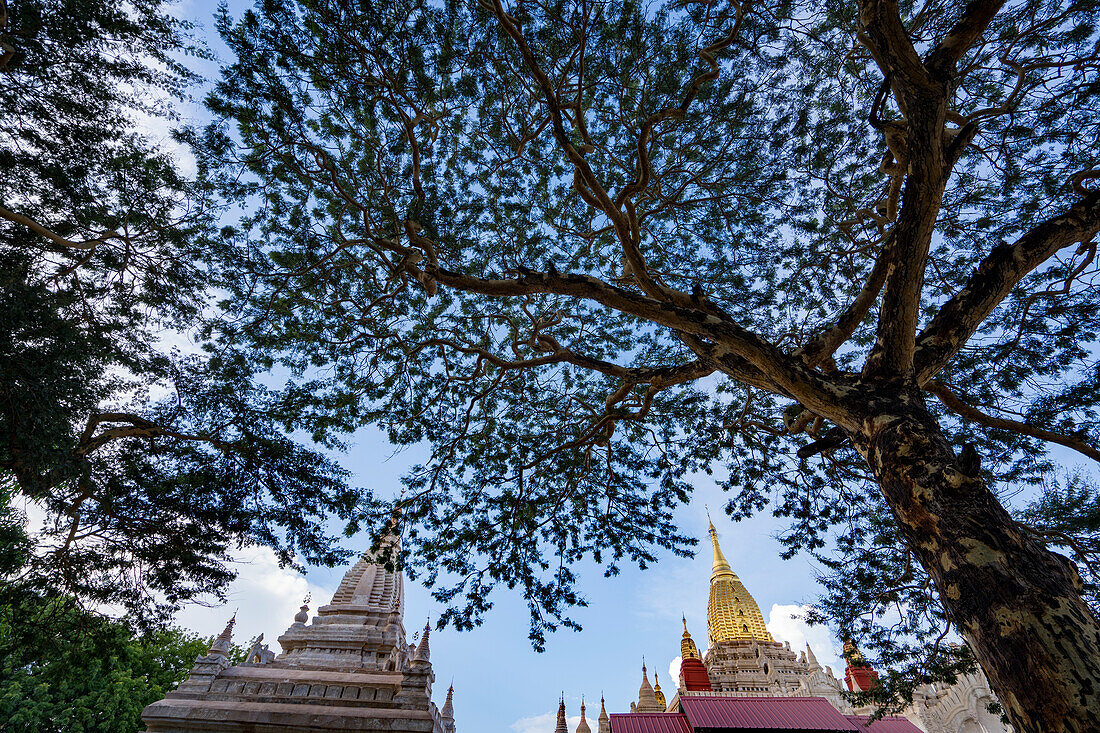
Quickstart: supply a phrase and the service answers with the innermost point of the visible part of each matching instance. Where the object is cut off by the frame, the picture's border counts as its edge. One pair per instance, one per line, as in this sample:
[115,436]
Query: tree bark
[1017,604]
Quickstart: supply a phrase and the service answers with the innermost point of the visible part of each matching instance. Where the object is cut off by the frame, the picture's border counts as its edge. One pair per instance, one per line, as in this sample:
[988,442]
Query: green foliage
[64,670]
[151,462]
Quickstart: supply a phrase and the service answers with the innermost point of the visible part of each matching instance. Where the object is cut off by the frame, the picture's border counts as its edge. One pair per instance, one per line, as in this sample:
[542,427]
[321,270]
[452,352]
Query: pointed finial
[811,660]
[582,726]
[423,651]
[448,711]
[224,641]
[561,726]
[720,566]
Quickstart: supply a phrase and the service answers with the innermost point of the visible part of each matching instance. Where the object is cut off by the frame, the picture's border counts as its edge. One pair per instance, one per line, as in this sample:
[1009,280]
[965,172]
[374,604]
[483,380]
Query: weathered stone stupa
[349,670]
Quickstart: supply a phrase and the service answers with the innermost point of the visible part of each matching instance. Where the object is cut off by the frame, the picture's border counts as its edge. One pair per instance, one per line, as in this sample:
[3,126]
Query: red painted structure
[859,676]
[703,714]
[694,675]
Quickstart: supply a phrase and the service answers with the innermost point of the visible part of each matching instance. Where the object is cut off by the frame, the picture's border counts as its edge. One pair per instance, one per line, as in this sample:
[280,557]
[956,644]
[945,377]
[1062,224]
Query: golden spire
[732,613]
[688,650]
[658,694]
[720,566]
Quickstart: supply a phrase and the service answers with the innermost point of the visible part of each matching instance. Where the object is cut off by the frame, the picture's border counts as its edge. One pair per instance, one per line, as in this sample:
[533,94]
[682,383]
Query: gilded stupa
[732,613]
[747,676]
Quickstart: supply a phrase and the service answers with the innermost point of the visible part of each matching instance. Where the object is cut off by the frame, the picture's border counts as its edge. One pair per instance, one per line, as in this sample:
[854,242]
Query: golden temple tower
[732,613]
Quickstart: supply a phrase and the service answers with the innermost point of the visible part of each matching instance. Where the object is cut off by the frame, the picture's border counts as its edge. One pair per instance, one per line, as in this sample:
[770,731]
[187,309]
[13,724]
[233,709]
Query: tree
[845,250]
[63,669]
[150,463]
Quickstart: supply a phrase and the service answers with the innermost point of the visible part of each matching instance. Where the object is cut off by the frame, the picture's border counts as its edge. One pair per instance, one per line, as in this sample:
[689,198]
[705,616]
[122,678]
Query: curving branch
[965,33]
[658,376]
[135,427]
[730,343]
[994,279]
[954,403]
[87,244]
[822,346]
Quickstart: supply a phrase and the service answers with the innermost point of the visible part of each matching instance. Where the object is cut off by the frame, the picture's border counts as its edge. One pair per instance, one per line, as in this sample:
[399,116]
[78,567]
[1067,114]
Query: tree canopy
[65,670]
[843,251]
[150,462]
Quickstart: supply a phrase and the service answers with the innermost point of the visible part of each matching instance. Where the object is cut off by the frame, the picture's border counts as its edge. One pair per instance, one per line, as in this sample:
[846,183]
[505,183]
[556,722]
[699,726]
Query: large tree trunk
[1017,604]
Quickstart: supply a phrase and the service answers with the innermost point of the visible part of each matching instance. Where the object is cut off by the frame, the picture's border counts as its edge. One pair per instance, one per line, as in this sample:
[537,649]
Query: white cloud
[785,623]
[674,671]
[545,723]
[265,597]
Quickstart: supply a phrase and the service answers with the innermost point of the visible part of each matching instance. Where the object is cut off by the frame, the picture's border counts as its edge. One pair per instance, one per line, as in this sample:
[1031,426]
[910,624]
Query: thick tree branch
[53,237]
[6,51]
[825,344]
[995,278]
[730,364]
[952,402]
[918,145]
[887,39]
[137,427]
[784,373]
[969,28]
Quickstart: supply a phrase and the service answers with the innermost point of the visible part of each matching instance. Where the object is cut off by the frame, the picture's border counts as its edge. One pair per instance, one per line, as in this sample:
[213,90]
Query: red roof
[888,724]
[767,713]
[649,723]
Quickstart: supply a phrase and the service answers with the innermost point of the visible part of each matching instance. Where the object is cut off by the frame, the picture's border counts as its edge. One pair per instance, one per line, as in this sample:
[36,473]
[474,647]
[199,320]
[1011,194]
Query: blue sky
[501,684]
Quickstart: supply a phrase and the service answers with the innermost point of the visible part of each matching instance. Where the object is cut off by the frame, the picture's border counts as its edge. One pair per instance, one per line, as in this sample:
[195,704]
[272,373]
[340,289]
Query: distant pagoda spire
[732,612]
[582,727]
[423,651]
[688,650]
[224,643]
[647,699]
[447,713]
[811,660]
[561,726]
[604,720]
[661,702]
[448,710]
[693,675]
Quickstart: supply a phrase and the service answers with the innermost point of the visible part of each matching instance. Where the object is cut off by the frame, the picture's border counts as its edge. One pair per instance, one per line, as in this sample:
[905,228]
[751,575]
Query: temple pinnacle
[604,720]
[720,566]
[561,727]
[582,727]
[732,612]
[224,642]
[423,651]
